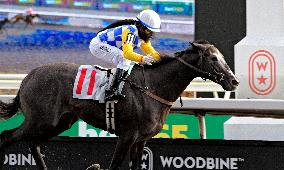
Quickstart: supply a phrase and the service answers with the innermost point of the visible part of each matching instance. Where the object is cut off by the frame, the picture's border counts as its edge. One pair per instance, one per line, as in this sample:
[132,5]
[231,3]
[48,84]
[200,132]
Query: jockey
[29,11]
[115,44]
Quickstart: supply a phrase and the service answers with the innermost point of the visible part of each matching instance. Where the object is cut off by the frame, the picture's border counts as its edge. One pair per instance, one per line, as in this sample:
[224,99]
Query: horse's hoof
[94,167]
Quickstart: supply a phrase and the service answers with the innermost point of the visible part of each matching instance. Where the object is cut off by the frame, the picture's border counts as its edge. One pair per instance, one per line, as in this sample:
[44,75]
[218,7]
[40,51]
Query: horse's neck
[169,80]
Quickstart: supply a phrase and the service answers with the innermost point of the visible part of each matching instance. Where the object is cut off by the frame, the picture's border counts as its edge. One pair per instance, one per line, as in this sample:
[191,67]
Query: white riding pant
[108,53]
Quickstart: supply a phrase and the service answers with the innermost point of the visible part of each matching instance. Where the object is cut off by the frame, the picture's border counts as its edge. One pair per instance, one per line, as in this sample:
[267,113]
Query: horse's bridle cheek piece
[218,77]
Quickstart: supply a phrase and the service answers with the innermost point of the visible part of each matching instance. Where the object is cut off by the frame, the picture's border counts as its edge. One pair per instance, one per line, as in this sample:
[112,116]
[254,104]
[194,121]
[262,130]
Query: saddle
[92,81]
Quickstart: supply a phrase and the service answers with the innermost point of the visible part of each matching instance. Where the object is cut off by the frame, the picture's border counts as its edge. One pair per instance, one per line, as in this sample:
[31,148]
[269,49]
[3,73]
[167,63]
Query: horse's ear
[191,45]
[197,46]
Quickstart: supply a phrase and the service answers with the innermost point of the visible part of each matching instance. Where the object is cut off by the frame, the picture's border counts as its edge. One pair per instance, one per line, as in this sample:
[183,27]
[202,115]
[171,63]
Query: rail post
[259,65]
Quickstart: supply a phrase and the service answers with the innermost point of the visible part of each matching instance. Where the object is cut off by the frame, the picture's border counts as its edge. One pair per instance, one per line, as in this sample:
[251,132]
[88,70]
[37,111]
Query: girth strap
[110,110]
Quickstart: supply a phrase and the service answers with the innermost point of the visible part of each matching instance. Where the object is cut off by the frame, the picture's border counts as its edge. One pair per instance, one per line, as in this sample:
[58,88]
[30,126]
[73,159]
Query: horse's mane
[201,41]
[166,58]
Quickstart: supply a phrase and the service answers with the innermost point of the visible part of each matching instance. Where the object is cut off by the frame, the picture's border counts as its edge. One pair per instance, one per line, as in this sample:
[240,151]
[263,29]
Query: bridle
[218,77]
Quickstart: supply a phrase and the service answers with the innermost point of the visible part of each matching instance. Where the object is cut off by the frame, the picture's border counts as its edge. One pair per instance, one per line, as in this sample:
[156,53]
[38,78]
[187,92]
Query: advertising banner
[176,126]
[181,7]
[175,9]
[141,6]
[55,3]
[26,2]
[7,1]
[90,4]
[159,154]
[115,5]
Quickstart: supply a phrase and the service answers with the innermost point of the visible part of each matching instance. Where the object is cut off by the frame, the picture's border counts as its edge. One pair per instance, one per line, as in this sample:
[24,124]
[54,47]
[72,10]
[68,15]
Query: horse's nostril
[235,82]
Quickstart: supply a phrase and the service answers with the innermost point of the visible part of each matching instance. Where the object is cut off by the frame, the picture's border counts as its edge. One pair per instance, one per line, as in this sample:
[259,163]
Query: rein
[150,94]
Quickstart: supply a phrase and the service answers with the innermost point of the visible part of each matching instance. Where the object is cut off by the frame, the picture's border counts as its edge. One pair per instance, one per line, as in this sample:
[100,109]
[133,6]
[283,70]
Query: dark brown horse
[45,97]
[3,23]
[26,18]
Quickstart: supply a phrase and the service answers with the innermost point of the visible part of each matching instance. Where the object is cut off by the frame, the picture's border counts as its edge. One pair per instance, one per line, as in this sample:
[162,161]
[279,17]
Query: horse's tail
[7,110]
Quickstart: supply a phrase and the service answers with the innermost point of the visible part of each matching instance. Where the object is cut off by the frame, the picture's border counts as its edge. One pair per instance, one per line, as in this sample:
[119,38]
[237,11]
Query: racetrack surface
[19,55]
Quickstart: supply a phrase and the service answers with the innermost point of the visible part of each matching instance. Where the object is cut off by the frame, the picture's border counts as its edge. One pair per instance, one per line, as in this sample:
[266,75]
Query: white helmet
[150,19]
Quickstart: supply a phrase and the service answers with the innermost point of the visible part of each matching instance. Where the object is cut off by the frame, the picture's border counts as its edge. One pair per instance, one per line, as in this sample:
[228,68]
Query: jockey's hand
[147,60]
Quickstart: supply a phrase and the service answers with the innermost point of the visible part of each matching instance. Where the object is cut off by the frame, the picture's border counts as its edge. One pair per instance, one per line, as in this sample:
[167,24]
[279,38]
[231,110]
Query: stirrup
[109,95]
[113,96]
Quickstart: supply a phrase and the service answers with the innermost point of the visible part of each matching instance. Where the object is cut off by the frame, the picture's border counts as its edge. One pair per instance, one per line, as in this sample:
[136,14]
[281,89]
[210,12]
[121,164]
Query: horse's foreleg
[27,24]
[124,143]
[140,149]
[133,157]
[35,150]
[136,155]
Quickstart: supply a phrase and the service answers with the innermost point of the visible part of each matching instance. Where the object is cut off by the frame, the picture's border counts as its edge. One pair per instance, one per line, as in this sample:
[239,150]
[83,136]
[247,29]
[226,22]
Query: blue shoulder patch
[131,28]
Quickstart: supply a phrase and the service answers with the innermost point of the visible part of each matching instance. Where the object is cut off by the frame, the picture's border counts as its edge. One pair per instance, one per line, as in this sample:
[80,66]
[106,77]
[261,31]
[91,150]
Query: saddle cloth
[92,81]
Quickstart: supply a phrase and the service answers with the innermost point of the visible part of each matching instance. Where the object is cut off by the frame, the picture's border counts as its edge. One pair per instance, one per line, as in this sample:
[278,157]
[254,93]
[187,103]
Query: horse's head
[212,65]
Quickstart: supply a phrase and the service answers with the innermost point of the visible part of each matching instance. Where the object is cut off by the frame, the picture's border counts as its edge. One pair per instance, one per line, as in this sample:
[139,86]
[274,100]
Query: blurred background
[64,28]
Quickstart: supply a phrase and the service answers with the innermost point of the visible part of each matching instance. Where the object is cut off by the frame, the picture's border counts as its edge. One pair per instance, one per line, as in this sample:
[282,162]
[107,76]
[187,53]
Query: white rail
[271,108]
[7,98]
[13,81]
[266,108]
[12,76]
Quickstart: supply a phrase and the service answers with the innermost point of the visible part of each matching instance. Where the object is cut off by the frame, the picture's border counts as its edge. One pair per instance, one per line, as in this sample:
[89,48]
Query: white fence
[266,108]
[13,81]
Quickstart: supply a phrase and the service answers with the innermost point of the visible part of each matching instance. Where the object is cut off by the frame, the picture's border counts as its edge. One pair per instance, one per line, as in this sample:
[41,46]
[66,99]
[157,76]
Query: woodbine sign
[159,154]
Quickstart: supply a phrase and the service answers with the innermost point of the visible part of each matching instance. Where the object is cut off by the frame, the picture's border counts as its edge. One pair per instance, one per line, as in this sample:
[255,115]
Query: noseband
[218,77]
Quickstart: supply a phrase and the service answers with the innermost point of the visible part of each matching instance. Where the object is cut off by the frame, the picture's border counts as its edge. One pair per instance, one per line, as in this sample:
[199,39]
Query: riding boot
[113,92]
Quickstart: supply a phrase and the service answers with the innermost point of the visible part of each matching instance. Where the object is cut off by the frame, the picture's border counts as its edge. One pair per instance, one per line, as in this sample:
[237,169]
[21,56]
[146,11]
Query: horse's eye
[214,58]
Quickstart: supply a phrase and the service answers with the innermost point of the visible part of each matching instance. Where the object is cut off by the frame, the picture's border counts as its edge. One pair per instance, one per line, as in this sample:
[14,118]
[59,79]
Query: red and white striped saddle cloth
[92,81]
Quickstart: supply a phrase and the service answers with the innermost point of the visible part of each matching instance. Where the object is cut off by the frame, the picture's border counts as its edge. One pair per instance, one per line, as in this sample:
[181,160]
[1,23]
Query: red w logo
[262,72]
[261,65]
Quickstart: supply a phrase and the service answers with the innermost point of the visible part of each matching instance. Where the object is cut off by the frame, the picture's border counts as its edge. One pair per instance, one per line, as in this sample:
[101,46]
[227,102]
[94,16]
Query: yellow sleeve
[148,49]
[127,46]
